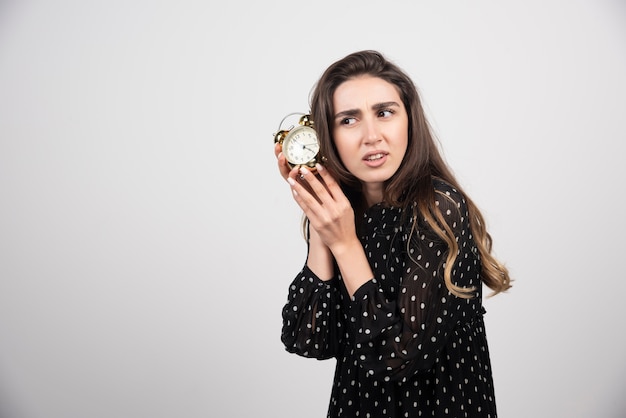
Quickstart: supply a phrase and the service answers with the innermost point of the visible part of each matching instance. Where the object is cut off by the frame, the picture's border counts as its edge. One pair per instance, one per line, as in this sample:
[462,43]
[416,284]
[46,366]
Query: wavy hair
[411,187]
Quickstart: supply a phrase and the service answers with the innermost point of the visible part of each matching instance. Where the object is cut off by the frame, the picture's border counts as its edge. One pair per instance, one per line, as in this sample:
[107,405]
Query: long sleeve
[404,317]
[404,344]
[312,320]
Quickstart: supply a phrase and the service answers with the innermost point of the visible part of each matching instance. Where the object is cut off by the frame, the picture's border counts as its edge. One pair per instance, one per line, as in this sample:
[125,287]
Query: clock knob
[306,120]
[278,138]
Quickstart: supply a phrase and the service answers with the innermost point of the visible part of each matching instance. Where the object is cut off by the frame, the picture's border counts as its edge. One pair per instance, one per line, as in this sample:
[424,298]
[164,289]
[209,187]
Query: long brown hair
[413,182]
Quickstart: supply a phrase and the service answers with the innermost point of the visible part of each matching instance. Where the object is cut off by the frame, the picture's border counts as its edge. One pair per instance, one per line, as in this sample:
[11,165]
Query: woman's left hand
[325,205]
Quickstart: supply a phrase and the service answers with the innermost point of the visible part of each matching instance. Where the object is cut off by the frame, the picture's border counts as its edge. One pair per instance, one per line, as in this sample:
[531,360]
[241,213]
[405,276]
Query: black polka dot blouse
[405,346]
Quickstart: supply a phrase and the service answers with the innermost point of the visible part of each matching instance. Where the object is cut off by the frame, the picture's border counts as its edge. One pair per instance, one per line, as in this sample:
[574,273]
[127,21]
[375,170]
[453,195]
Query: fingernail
[319,167]
[291,181]
[303,170]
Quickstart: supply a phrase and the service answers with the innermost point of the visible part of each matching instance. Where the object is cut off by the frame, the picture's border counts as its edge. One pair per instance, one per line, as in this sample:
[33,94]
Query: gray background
[147,240]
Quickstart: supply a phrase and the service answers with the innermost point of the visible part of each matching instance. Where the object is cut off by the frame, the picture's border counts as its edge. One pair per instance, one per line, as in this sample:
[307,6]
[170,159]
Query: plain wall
[147,240]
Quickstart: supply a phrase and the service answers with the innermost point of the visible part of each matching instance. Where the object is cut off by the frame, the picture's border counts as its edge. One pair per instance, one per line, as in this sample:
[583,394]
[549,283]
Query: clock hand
[304,146]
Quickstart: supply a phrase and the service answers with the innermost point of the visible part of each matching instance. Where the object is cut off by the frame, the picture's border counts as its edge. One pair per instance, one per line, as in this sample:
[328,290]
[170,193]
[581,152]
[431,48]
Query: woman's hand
[283,167]
[325,205]
[332,230]
[331,216]
[319,257]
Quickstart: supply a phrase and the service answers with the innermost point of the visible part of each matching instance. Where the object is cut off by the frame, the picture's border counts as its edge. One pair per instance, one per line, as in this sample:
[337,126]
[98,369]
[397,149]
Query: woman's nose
[372,132]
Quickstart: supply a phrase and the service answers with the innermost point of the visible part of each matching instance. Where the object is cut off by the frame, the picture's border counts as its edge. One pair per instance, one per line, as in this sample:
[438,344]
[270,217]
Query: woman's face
[370,131]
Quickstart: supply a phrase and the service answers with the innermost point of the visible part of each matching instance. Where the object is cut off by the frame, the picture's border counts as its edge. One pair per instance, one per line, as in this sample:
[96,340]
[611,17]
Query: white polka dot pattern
[405,346]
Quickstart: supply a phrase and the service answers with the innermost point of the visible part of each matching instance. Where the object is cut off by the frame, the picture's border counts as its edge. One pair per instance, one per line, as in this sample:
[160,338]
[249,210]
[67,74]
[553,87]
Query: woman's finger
[283,167]
[315,185]
[301,195]
[329,181]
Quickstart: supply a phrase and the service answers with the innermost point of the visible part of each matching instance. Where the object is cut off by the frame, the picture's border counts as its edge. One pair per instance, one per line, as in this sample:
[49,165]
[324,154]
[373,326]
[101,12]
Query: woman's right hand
[320,259]
[283,167]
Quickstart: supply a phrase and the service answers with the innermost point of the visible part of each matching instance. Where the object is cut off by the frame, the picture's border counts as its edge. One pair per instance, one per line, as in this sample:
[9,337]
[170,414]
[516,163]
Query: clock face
[301,145]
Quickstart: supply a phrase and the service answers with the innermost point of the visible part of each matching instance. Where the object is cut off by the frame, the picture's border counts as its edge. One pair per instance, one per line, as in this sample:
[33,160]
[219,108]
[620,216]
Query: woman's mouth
[376,159]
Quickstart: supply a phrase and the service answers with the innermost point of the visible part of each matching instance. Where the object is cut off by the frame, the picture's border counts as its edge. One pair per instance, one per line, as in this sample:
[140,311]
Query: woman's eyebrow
[384,105]
[347,113]
[357,112]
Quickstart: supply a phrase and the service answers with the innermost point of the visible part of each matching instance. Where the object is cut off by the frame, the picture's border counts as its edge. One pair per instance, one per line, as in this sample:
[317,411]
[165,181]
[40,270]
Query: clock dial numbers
[300,146]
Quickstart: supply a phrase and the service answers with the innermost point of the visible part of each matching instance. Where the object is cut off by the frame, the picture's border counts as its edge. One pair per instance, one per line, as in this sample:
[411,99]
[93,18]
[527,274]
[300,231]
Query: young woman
[397,255]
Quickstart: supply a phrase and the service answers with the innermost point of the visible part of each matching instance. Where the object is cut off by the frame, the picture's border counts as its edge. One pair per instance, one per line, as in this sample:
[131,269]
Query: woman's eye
[347,121]
[385,113]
